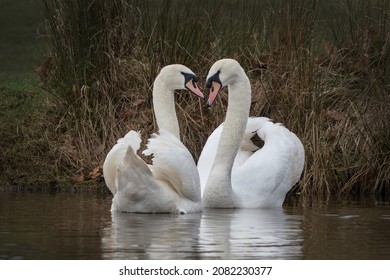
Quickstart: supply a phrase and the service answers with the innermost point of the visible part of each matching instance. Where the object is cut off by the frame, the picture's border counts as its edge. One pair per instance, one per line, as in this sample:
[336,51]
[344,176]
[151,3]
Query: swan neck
[164,108]
[237,114]
[218,191]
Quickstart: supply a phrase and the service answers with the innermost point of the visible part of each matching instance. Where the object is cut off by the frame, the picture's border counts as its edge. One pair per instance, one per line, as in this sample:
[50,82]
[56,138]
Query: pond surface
[81,226]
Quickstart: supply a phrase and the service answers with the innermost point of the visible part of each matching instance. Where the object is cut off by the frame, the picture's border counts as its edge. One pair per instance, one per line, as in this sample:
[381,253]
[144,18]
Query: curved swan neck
[218,191]
[237,114]
[164,107]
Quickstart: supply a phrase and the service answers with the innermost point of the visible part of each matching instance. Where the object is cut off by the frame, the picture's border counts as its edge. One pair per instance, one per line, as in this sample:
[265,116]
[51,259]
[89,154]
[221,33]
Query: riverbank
[27,111]
[27,118]
[323,75]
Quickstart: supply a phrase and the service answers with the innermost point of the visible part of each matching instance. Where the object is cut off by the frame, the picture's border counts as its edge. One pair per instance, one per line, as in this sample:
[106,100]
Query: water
[80,226]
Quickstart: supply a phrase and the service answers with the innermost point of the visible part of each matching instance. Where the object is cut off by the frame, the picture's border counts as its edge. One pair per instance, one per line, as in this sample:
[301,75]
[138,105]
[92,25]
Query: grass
[23,148]
[24,156]
[321,68]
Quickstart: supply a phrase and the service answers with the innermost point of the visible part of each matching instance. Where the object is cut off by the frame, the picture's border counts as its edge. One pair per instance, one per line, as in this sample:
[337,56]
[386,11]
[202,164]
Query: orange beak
[215,87]
[192,86]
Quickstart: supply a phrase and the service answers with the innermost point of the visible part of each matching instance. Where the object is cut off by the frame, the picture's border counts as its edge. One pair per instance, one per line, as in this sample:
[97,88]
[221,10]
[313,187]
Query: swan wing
[138,190]
[298,159]
[268,174]
[247,147]
[174,165]
[209,151]
[116,155]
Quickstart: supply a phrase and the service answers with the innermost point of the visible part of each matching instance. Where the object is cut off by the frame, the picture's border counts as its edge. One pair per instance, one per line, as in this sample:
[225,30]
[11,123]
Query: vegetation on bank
[321,68]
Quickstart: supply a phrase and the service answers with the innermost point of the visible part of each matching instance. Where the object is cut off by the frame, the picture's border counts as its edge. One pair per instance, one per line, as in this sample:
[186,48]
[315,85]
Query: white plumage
[171,183]
[233,173]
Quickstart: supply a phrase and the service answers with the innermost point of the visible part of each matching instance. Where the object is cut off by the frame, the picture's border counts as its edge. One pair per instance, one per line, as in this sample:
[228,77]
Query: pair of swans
[231,172]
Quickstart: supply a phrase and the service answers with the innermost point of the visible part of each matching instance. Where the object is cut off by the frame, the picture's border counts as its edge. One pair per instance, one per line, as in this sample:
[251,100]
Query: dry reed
[321,68]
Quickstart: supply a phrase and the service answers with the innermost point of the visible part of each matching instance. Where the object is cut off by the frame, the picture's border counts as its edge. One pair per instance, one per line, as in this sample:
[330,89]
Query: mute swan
[171,184]
[232,173]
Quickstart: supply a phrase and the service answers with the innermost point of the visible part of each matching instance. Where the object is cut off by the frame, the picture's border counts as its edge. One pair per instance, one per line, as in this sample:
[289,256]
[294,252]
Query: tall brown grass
[321,68]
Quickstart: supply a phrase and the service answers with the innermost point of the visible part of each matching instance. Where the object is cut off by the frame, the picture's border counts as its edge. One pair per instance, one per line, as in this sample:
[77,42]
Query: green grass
[24,154]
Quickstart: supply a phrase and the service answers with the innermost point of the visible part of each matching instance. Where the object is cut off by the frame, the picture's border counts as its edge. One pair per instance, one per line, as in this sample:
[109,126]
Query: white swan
[171,184]
[232,173]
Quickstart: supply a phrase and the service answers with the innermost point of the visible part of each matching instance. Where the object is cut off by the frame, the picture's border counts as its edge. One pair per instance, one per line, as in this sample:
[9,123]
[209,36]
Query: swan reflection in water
[213,234]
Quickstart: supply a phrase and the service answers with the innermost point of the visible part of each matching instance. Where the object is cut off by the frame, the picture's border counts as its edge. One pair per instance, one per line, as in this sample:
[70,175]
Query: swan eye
[190,83]
[188,77]
[213,78]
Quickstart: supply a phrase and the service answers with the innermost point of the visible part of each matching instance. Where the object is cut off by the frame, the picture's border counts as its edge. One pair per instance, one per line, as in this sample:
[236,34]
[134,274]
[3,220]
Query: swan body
[234,173]
[171,183]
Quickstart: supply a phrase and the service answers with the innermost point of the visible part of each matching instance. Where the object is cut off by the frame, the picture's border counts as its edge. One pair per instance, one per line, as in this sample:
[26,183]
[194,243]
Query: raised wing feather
[173,163]
[268,174]
[138,190]
[116,155]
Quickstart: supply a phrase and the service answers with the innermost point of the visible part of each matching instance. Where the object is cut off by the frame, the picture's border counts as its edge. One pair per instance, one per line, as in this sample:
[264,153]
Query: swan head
[177,76]
[222,73]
